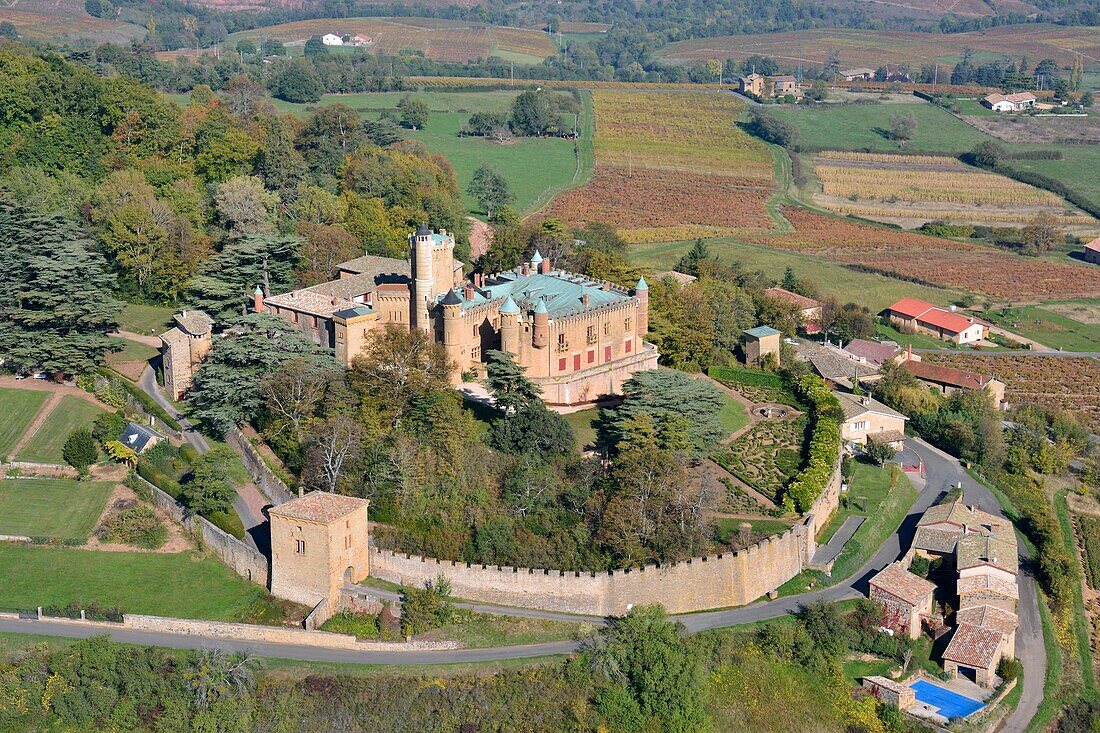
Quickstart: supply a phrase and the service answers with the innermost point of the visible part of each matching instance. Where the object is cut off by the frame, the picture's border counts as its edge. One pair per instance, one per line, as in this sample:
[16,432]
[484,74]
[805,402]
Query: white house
[1010,102]
[331,39]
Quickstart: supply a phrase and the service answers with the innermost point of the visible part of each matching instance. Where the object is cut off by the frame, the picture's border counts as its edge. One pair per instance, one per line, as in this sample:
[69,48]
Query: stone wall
[246,562]
[269,484]
[715,581]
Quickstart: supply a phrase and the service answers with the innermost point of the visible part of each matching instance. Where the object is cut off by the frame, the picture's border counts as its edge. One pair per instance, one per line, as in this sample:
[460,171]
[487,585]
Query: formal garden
[768,456]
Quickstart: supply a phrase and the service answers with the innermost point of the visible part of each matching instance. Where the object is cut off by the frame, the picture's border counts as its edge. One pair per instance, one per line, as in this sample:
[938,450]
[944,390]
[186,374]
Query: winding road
[941,473]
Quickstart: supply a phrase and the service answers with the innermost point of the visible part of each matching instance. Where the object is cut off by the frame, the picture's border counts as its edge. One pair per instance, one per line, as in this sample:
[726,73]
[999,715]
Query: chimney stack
[468,292]
[258,300]
[544,267]
[526,269]
[584,299]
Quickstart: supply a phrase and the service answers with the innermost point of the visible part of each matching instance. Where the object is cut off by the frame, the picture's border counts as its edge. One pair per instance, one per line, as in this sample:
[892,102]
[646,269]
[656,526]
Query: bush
[619,709]
[360,625]
[80,450]
[824,445]
[1009,668]
[138,526]
[424,609]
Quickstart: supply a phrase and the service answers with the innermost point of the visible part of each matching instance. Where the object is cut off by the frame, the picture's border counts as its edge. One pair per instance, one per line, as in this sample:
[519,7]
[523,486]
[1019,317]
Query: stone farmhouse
[906,598]
[1017,102]
[858,74]
[577,338]
[759,85]
[877,353]
[1091,251]
[918,316]
[808,308]
[183,347]
[947,380]
[866,420]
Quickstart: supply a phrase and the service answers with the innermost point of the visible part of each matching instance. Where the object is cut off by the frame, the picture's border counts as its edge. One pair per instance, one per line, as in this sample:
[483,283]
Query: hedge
[1051,184]
[824,446]
[749,377]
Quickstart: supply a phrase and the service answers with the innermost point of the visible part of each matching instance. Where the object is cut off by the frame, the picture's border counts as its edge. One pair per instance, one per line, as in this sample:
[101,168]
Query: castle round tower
[423,287]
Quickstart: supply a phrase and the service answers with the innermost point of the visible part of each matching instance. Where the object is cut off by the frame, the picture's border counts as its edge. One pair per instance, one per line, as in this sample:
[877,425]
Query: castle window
[629,344]
[474,331]
[561,364]
[606,354]
[299,547]
[591,356]
[347,542]
[626,325]
[561,341]
[591,335]
[475,353]
[576,362]
[606,328]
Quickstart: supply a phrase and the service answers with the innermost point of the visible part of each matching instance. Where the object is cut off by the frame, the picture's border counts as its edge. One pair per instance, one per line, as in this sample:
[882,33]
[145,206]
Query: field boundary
[583,152]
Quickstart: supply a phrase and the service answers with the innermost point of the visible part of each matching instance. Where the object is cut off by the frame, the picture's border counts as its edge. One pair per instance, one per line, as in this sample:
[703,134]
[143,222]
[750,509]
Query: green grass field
[68,415]
[583,423]
[874,291]
[61,508]
[18,406]
[725,527]
[1048,328]
[145,319]
[132,351]
[918,340]
[186,585]
[733,415]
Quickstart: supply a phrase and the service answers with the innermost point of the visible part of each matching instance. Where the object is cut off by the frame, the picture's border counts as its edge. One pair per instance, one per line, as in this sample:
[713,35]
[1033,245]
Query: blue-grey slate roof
[560,293]
[138,437]
[761,331]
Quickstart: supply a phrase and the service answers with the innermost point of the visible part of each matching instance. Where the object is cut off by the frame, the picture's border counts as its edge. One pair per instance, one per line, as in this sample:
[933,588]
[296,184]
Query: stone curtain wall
[244,561]
[270,484]
[715,581]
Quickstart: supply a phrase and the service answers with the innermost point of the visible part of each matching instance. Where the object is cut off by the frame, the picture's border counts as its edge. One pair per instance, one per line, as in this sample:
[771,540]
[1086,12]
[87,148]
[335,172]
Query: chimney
[526,269]
[468,292]
[952,308]
[865,401]
[257,300]
[584,300]
[183,313]
[544,267]
[301,492]
[443,231]
[909,353]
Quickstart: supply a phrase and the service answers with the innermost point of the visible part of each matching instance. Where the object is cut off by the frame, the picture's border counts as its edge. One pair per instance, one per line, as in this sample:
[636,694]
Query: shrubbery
[138,526]
[824,445]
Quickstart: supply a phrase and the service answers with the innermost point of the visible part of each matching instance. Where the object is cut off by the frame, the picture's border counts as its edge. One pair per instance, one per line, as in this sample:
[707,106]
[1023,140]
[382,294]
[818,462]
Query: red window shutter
[561,364]
[607,354]
[591,355]
[576,361]
[629,343]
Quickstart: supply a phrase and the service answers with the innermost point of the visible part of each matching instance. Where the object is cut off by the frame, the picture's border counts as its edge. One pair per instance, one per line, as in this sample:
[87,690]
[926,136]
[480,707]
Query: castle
[578,339]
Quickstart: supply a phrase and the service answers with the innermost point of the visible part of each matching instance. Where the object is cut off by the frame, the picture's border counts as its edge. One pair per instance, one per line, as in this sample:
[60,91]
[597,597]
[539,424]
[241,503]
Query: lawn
[874,291]
[18,406]
[187,585]
[726,527]
[69,414]
[132,351]
[61,508]
[584,424]
[732,415]
[145,319]
[918,340]
[868,487]
[1048,328]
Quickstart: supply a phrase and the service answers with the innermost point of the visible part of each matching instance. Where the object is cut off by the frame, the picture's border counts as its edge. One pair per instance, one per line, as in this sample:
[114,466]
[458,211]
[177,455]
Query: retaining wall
[266,480]
[246,562]
[714,581]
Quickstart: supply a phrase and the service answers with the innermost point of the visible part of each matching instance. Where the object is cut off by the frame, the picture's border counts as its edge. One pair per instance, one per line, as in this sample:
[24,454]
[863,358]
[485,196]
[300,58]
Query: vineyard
[61,26]
[671,167]
[436,38]
[912,190]
[1068,383]
[874,48]
[930,260]
[1088,532]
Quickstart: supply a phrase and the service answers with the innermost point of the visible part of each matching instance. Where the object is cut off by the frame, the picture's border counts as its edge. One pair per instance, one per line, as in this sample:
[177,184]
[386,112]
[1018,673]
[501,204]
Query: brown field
[1049,130]
[1072,383]
[439,39]
[876,48]
[671,166]
[944,262]
[466,82]
[66,23]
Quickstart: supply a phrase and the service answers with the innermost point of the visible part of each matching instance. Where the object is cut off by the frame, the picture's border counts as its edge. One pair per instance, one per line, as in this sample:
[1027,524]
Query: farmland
[438,39]
[876,48]
[1069,383]
[69,23]
[1051,325]
[670,167]
[911,190]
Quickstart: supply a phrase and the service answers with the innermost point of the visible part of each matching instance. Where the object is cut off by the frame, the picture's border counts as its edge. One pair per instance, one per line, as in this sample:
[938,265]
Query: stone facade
[759,342]
[729,579]
[889,692]
[578,339]
[183,348]
[318,543]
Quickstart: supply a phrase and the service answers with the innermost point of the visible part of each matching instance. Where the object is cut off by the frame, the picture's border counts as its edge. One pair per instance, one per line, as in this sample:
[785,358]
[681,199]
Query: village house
[858,74]
[942,526]
[808,308]
[360,39]
[319,542]
[139,438]
[752,84]
[917,316]
[332,39]
[992,618]
[947,380]
[835,365]
[992,555]
[781,86]
[577,338]
[1017,102]
[977,591]
[868,420]
[182,349]
[759,342]
[974,653]
[1091,251]
[877,353]
[905,598]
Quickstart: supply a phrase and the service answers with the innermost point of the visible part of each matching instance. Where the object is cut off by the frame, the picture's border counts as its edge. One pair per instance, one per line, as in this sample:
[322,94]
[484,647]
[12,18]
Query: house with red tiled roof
[905,598]
[808,308]
[988,590]
[1091,252]
[992,618]
[973,653]
[948,380]
[912,315]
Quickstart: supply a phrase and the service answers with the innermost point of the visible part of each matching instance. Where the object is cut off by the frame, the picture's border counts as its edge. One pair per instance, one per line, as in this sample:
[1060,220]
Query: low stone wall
[246,562]
[15,538]
[266,480]
[714,581]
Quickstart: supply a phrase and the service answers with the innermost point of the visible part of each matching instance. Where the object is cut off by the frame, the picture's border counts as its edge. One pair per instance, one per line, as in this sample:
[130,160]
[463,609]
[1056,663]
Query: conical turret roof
[451,298]
[509,306]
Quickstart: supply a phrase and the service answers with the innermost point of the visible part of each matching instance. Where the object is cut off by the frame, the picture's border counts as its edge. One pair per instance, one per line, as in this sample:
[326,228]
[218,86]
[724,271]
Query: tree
[509,387]
[99,8]
[209,488]
[534,113]
[666,395]
[56,302]
[414,113]
[1087,99]
[880,453]
[490,189]
[790,282]
[396,367]
[987,154]
[690,262]
[771,129]
[525,424]
[643,652]
[80,450]
[245,207]
[335,445]
[315,47]
[1041,234]
[225,286]
[293,394]
[322,248]
[227,391]
[120,452]
[9,31]
[903,127]
[295,81]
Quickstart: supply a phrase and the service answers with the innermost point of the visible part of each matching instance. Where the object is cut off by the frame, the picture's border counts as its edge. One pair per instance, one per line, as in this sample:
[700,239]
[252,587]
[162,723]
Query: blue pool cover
[949,704]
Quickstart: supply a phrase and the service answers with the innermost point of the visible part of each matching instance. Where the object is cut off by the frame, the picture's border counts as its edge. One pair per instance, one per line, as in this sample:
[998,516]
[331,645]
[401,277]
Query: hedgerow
[824,444]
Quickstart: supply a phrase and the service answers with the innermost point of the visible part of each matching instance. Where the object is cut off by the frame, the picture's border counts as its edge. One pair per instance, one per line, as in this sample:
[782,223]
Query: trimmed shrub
[138,526]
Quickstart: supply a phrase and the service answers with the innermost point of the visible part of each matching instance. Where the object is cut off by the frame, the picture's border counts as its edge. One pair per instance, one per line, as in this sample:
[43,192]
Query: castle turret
[509,326]
[541,337]
[258,300]
[452,336]
[641,292]
[423,289]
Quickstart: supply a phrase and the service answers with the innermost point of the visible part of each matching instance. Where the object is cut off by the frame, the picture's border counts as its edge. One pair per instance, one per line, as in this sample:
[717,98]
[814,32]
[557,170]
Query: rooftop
[999,551]
[985,583]
[834,363]
[934,539]
[854,406]
[961,515]
[139,437]
[1094,245]
[319,506]
[1017,97]
[175,337]
[562,293]
[761,332]
[973,646]
[900,583]
[925,312]
[371,265]
[988,617]
[194,322]
[910,307]
[873,352]
[945,375]
[800,301]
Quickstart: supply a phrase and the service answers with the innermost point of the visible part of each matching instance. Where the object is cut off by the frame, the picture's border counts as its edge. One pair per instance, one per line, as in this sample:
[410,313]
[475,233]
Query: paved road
[1015,352]
[831,550]
[250,512]
[942,472]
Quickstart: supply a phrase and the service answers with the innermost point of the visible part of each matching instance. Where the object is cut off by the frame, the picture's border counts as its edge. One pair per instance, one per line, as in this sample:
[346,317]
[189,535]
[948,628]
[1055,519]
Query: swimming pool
[949,704]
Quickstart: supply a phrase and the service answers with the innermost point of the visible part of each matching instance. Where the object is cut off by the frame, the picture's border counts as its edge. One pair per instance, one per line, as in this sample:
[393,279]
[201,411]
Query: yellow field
[696,133]
[966,186]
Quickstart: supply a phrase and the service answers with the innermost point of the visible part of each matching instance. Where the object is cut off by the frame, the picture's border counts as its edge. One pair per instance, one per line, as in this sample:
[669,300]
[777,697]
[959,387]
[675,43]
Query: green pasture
[62,508]
[18,406]
[147,319]
[68,414]
[1047,327]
